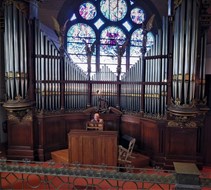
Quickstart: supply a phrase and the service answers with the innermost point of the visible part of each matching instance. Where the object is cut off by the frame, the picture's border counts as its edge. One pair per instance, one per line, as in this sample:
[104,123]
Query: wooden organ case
[47,93]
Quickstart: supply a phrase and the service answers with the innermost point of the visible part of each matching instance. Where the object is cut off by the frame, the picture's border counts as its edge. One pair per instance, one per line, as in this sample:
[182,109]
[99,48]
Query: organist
[96,123]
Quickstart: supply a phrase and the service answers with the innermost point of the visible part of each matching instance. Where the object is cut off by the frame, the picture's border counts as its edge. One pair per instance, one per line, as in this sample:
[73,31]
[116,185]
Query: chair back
[130,147]
[125,154]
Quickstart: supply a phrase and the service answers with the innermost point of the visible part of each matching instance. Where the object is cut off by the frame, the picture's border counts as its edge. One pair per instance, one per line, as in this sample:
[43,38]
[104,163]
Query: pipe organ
[185,53]
[103,84]
[48,63]
[188,91]
[156,73]
[47,93]
[16,51]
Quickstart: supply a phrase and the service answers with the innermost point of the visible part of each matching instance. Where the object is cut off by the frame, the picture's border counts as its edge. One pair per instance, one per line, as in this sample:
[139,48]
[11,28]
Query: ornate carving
[8,2]
[187,115]
[102,105]
[149,24]
[182,123]
[23,7]
[19,109]
[19,116]
[178,109]
[177,3]
[60,30]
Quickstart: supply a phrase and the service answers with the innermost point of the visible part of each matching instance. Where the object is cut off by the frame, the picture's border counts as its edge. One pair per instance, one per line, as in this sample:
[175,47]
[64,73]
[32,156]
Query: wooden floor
[139,160]
[61,156]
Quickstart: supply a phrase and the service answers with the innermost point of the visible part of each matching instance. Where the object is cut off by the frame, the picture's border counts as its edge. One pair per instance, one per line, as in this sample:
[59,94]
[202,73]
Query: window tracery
[106,23]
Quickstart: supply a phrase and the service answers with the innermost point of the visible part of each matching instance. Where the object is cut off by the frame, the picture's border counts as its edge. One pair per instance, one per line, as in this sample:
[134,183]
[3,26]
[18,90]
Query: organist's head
[97,117]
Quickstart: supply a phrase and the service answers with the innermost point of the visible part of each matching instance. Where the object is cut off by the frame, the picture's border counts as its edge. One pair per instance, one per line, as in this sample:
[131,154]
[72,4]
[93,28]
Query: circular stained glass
[87,11]
[137,15]
[113,10]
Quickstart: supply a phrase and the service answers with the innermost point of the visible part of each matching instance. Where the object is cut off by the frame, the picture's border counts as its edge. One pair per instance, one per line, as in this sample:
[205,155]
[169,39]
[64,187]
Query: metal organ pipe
[184,60]
[164,65]
[21,53]
[194,45]
[15,52]
[181,53]
[75,91]
[6,46]
[176,55]
[11,72]
[187,57]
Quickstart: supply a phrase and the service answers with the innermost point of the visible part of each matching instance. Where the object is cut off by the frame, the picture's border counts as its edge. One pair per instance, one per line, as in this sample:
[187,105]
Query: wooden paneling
[207,140]
[93,147]
[164,144]
[150,136]
[52,130]
[146,131]
[207,134]
[181,142]
[131,125]
[20,139]
[111,121]
[49,132]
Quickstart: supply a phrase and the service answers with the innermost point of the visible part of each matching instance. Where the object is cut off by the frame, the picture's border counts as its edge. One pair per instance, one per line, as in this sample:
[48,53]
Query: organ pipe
[61,84]
[188,71]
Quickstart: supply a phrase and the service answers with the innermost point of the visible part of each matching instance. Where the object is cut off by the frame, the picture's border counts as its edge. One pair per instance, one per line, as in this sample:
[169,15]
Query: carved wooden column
[187,108]
[2,86]
[3,135]
[19,77]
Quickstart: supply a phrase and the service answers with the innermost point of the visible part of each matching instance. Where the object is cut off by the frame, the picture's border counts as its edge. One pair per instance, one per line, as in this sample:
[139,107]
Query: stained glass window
[111,37]
[150,40]
[87,11]
[109,23]
[137,37]
[75,41]
[137,15]
[127,25]
[136,44]
[113,10]
[99,23]
[137,40]
[73,17]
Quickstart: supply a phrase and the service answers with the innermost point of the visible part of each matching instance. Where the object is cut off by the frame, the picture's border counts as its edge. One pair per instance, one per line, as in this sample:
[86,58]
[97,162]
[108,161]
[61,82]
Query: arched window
[107,24]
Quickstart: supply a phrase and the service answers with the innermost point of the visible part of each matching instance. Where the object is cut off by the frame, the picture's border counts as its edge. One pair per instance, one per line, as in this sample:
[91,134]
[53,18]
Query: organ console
[93,147]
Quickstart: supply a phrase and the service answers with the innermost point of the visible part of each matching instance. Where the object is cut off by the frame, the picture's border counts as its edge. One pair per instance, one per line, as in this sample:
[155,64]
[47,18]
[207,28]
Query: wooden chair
[125,154]
[94,126]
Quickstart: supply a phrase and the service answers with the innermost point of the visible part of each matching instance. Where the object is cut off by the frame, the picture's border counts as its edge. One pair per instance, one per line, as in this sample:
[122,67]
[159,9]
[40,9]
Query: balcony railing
[49,175]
